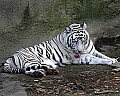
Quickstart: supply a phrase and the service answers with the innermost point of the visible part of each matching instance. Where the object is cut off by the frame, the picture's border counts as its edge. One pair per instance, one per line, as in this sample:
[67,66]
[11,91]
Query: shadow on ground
[73,80]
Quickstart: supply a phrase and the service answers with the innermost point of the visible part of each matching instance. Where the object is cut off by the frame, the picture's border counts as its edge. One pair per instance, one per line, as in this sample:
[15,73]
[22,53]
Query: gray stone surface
[10,87]
[11,11]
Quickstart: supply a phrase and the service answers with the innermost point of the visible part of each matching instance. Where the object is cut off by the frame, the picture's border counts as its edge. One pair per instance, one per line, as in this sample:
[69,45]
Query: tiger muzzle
[77,55]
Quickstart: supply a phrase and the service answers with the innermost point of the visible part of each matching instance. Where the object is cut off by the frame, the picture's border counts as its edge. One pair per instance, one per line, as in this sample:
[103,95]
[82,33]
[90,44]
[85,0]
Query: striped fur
[71,46]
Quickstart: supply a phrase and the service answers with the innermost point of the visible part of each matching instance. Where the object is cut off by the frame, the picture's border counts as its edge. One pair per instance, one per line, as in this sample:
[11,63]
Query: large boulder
[12,11]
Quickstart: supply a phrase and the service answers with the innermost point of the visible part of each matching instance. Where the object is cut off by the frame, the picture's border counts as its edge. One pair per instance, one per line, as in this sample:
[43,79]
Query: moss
[64,12]
[67,11]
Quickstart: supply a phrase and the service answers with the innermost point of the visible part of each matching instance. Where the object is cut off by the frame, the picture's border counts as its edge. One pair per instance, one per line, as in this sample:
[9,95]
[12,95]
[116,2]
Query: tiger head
[76,37]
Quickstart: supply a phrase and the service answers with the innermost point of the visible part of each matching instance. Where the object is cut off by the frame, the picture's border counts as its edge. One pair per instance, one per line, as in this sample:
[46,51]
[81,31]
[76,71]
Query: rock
[12,11]
[117,64]
[116,70]
[108,48]
[10,87]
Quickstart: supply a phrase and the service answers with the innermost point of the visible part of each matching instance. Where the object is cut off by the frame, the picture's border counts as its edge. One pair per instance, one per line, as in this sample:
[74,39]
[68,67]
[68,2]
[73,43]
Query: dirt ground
[73,80]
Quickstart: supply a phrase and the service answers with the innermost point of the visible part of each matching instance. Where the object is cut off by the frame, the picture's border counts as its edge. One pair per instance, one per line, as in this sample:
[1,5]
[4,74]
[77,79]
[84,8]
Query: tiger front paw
[38,74]
[114,60]
[50,71]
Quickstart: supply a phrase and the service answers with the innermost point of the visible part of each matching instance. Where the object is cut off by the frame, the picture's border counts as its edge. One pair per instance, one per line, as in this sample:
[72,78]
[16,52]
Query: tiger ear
[84,25]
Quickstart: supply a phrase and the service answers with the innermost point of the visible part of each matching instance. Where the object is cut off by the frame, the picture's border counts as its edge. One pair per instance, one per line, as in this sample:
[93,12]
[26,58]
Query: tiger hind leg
[33,67]
[50,71]
[42,69]
[90,59]
[11,67]
[39,72]
[49,66]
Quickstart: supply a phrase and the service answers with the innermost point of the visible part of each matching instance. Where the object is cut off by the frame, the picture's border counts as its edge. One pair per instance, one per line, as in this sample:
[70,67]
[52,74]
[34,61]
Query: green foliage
[26,20]
[57,17]
[94,9]
[88,9]
[64,12]
[67,11]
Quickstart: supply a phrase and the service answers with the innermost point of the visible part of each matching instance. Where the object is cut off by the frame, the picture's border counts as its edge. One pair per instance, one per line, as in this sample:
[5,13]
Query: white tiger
[73,46]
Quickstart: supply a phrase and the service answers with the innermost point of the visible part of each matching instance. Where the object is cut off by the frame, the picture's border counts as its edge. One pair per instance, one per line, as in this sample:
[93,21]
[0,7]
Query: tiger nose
[79,51]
